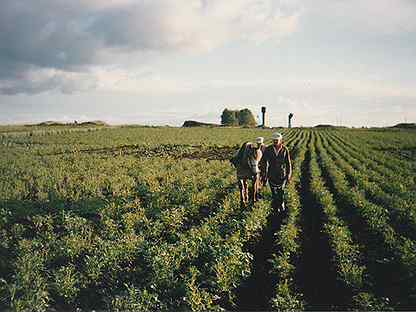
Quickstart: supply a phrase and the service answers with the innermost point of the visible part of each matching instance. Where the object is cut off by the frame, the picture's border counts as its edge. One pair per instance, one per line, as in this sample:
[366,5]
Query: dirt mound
[193,123]
[93,123]
[325,126]
[328,126]
[405,126]
[51,123]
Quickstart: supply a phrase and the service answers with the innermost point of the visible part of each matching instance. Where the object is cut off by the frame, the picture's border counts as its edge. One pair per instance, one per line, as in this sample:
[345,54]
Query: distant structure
[290,120]
[263,114]
[194,123]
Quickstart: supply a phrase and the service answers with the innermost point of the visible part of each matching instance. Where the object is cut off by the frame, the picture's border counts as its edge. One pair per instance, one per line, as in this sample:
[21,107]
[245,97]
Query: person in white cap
[262,146]
[247,165]
[276,168]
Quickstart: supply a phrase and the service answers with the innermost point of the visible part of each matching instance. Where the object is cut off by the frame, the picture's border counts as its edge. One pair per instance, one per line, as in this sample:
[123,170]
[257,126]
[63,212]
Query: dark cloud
[45,34]
[73,36]
[46,80]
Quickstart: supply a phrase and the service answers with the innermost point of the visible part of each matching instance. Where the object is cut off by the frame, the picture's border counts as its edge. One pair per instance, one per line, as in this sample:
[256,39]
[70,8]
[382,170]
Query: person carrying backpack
[276,168]
[247,166]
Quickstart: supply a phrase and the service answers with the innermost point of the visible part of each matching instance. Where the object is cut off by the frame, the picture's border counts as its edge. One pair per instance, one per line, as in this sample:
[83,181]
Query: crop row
[385,164]
[400,208]
[370,223]
[347,258]
[287,242]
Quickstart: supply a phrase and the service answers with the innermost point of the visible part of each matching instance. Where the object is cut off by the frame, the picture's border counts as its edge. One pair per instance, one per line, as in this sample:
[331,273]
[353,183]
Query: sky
[161,62]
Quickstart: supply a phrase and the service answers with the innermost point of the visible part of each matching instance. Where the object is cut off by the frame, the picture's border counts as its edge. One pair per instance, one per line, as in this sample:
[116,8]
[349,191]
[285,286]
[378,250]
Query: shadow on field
[316,275]
[22,211]
[254,293]
[208,209]
[408,154]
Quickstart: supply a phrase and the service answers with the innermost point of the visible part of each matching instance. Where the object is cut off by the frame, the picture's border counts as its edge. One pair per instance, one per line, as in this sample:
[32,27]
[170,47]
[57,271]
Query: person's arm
[263,167]
[288,166]
[259,155]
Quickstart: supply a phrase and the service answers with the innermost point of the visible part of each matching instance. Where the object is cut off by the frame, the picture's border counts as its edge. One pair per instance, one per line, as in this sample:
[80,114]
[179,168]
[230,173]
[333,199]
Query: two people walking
[260,164]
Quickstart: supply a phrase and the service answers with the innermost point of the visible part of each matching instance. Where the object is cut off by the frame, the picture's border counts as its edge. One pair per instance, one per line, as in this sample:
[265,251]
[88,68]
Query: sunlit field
[143,218]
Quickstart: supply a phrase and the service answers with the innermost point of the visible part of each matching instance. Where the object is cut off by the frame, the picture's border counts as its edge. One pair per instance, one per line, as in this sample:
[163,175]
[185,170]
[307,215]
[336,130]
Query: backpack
[249,161]
[238,158]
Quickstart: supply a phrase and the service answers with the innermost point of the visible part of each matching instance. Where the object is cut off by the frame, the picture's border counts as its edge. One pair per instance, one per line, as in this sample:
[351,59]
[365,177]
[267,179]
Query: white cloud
[144,81]
[378,17]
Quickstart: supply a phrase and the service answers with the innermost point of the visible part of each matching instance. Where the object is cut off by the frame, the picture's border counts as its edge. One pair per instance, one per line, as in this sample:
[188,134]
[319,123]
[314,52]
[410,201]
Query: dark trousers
[278,196]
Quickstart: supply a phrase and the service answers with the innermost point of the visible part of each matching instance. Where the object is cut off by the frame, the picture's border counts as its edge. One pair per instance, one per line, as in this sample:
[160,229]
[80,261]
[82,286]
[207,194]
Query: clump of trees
[242,117]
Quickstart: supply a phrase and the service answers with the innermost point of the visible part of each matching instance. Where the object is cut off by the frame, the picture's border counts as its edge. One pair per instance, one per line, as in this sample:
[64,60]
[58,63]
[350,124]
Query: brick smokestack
[290,120]
[263,114]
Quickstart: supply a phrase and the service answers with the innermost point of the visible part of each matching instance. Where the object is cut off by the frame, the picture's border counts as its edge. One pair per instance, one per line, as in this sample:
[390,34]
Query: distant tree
[229,118]
[242,117]
[246,118]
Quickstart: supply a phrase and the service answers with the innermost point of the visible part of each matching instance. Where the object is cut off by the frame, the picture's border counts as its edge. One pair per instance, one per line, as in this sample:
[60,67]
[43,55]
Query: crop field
[142,218]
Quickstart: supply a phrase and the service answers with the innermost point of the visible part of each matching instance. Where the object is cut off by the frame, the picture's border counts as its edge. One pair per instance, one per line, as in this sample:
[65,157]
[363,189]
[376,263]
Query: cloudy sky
[349,62]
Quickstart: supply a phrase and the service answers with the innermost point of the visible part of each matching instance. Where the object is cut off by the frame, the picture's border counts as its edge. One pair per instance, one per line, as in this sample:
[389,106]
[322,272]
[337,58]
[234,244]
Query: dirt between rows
[165,150]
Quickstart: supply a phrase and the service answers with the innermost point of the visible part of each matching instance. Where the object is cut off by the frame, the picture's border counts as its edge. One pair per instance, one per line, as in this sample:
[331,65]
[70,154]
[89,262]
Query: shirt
[276,165]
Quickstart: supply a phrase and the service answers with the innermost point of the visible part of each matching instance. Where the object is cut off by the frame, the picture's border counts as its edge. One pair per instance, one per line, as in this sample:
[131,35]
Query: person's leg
[280,203]
[277,197]
[245,188]
[241,187]
[273,189]
[254,190]
[258,190]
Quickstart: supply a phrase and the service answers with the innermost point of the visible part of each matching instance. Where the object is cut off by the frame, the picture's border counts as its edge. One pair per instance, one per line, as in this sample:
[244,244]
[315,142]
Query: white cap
[260,140]
[277,136]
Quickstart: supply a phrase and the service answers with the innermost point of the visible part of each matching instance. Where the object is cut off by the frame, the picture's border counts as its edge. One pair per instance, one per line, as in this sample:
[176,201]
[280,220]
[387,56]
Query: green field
[143,218]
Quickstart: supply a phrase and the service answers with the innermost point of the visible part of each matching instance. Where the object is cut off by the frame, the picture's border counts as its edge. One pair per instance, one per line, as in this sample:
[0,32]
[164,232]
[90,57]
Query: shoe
[282,208]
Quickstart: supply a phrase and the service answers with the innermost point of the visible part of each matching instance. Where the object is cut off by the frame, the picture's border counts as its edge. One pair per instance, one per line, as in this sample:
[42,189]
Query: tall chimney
[263,113]
[290,120]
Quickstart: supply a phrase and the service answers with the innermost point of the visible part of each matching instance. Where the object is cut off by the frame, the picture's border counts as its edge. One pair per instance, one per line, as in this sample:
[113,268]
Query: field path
[315,277]
[255,293]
